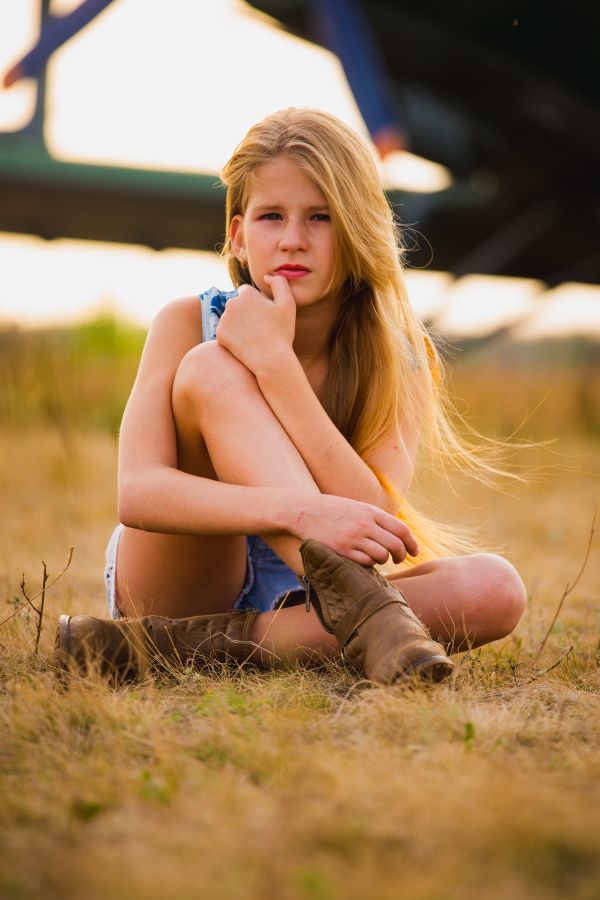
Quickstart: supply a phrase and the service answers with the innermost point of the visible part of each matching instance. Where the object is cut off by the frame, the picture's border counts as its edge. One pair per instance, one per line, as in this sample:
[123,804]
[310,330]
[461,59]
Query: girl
[290,410]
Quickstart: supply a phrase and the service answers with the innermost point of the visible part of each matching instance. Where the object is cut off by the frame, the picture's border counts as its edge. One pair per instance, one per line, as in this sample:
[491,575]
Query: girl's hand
[256,329]
[357,530]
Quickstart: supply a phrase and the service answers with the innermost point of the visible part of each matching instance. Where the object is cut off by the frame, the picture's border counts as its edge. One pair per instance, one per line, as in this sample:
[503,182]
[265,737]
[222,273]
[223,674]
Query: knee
[501,589]
[208,369]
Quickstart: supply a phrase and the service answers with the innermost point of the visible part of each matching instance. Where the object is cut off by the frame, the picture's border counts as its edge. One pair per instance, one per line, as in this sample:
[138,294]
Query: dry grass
[299,784]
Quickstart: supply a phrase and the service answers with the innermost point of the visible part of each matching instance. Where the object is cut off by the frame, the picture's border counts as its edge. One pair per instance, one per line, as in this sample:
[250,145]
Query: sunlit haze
[185,82]
[174,87]
[479,304]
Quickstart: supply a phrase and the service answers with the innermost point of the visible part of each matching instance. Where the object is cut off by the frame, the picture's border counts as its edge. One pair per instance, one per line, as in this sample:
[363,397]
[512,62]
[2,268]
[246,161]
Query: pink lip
[292,271]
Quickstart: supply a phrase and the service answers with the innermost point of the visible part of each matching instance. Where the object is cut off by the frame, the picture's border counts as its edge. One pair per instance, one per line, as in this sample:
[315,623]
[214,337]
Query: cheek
[259,245]
[329,249]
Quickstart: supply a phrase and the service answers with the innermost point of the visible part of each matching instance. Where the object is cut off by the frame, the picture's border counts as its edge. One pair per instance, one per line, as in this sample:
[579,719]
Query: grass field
[296,784]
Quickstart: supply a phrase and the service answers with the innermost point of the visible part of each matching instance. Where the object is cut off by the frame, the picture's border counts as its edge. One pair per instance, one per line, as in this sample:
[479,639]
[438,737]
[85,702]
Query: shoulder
[182,312]
[198,314]
[175,329]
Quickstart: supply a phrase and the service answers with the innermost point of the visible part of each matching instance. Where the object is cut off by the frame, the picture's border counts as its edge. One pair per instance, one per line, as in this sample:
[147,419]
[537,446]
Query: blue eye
[274,216]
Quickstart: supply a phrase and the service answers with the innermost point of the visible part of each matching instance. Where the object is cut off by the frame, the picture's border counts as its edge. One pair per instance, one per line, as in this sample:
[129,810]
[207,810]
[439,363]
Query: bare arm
[259,332]
[154,495]
[332,461]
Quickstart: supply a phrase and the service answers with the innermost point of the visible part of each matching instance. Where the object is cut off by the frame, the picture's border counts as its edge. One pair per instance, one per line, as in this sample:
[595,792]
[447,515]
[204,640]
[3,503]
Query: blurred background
[116,117]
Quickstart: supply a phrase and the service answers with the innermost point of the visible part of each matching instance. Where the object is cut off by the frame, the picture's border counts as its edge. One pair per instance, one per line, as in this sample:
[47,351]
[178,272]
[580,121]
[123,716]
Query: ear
[236,236]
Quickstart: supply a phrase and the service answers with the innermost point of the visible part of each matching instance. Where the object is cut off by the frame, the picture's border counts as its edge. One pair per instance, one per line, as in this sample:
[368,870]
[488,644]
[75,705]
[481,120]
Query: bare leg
[218,401]
[221,416]
[466,601]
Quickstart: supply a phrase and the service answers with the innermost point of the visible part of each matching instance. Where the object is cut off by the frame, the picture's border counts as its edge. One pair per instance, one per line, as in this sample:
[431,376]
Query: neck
[313,328]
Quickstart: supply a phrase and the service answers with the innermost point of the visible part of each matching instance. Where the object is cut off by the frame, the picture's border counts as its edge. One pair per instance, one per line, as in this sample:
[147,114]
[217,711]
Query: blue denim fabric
[268,579]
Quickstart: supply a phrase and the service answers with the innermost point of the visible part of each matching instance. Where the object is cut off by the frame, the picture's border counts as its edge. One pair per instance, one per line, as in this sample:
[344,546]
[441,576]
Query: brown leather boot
[374,625]
[125,649]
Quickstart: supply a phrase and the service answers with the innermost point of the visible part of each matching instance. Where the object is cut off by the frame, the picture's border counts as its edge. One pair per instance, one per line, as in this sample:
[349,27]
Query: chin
[305,299]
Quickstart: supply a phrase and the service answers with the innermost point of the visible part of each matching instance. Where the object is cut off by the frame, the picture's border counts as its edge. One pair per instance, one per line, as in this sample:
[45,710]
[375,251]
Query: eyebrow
[277,206]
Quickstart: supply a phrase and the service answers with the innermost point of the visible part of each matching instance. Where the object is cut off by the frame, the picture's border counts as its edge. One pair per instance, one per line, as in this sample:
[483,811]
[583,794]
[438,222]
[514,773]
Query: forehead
[283,179]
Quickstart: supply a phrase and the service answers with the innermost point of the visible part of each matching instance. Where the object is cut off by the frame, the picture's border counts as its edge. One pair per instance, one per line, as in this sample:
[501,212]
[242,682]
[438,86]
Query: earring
[243,261]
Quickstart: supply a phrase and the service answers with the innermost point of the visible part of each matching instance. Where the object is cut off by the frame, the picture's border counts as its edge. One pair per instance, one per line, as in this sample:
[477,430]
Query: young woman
[290,410]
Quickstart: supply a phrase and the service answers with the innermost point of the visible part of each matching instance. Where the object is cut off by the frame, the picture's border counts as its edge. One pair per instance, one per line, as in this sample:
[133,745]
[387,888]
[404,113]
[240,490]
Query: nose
[293,235]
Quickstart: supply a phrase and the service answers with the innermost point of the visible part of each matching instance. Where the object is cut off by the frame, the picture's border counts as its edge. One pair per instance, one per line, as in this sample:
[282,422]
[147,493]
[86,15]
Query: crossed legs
[465,601]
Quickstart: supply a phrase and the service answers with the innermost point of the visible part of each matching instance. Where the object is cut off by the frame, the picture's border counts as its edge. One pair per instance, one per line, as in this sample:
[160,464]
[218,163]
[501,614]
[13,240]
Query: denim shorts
[268,579]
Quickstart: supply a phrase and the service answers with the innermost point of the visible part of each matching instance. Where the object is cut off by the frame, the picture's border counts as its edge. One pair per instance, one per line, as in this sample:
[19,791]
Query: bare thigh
[180,575]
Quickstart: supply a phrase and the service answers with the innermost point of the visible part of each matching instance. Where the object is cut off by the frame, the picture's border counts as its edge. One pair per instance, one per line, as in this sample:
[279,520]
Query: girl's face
[286,224]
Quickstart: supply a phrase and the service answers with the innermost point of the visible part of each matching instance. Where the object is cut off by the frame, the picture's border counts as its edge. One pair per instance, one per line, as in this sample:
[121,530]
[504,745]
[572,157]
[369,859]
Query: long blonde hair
[384,369]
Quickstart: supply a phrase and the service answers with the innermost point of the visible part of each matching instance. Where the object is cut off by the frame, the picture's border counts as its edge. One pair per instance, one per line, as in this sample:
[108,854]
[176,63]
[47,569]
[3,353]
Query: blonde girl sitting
[297,426]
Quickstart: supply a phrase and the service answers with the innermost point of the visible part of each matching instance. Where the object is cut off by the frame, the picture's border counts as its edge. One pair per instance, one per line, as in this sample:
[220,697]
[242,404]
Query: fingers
[398,528]
[243,289]
[360,531]
[358,556]
[394,545]
[244,292]
[281,289]
[376,551]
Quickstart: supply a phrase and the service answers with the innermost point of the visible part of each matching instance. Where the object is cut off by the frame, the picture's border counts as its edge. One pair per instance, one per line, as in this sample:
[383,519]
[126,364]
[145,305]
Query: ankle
[261,635]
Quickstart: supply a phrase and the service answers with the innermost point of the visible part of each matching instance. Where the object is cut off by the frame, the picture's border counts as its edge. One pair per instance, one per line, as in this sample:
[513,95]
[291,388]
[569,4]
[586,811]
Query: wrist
[288,509]
[279,363]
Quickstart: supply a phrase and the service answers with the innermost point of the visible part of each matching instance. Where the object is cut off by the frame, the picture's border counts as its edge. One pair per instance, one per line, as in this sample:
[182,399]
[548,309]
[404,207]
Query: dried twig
[59,576]
[549,669]
[568,589]
[39,611]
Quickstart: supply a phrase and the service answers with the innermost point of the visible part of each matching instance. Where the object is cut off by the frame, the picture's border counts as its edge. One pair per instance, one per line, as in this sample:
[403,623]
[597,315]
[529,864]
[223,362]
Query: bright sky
[186,80]
[175,86]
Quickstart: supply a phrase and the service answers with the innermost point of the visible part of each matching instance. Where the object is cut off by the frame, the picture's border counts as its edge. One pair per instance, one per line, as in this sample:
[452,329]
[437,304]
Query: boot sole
[62,649]
[63,643]
[432,668]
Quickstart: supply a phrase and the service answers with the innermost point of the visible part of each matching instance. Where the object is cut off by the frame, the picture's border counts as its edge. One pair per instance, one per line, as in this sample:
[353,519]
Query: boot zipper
[307,589]
[316,603]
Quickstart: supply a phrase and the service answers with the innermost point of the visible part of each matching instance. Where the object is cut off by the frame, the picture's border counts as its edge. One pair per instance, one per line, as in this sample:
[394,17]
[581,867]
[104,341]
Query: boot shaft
[126,649]
[335,584]
[375,628]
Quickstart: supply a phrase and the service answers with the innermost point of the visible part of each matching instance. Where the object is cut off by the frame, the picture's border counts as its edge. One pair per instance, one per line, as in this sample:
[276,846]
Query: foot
[376,629]
[126,649]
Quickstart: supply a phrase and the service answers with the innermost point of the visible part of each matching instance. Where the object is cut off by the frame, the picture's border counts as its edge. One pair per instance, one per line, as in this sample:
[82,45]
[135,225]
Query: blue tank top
[212,303]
